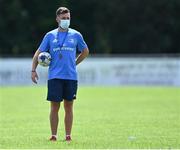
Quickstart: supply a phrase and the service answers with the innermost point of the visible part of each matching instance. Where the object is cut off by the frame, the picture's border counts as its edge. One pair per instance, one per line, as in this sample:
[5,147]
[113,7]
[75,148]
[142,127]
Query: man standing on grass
[61,43]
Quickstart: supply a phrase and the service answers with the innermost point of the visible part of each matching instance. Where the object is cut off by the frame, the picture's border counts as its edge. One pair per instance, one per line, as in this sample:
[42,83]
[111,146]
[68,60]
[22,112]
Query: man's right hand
[34,76]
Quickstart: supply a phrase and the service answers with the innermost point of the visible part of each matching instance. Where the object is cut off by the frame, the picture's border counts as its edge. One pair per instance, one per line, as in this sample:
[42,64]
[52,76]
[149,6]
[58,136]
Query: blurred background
[130,42]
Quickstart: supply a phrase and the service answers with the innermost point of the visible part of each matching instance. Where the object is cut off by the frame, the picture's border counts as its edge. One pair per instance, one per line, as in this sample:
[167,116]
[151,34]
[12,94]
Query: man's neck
[62,30]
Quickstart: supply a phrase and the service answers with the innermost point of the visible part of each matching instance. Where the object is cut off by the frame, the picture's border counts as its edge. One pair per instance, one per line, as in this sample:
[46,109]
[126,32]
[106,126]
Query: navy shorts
[60,89]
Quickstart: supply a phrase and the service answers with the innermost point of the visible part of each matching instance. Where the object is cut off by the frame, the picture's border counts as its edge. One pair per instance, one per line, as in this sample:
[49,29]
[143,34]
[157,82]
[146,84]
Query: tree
[118,26]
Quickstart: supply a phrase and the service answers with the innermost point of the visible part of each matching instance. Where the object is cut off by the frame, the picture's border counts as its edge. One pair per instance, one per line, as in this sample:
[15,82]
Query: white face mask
[64,24]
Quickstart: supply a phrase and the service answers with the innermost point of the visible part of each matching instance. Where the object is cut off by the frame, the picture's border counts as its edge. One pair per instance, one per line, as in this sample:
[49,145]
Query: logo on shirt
[55,41]
[71,41]
[63,48]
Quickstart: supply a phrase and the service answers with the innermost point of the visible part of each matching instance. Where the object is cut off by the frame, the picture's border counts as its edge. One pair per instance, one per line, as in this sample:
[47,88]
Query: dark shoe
[68,138]
[53,138]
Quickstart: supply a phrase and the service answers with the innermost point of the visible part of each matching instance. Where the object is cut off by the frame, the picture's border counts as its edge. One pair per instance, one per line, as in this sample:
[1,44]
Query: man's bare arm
[82,56]
[34,75]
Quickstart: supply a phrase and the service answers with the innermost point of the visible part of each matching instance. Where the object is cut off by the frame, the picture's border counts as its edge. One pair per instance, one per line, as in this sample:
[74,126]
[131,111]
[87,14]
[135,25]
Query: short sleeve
[44,46]
[81,44]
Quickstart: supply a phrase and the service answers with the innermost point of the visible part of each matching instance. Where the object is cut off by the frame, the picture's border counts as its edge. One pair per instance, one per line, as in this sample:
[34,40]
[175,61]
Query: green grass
[104,117]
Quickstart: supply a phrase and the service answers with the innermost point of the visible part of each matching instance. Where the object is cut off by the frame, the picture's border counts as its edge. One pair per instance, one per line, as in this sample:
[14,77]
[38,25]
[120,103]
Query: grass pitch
[104,117]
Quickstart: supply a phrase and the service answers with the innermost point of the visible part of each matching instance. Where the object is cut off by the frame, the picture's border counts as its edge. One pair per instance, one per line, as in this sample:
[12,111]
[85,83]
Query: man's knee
[55,107]
[68,106]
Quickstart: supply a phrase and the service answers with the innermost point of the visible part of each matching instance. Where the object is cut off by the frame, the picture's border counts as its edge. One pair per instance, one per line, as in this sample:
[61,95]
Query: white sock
[55,136]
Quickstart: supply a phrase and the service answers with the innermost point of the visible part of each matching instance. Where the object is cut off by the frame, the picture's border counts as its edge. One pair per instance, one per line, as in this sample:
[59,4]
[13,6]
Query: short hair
[62,10]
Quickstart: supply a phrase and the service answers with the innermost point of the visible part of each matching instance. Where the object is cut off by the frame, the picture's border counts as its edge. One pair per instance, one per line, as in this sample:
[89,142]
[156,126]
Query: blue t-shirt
[62,46]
